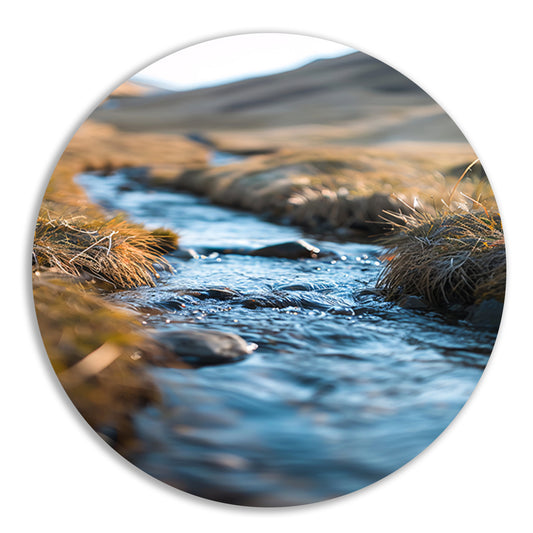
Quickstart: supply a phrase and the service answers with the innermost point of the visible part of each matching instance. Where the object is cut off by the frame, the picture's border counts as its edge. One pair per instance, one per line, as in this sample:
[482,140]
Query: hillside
[350,99]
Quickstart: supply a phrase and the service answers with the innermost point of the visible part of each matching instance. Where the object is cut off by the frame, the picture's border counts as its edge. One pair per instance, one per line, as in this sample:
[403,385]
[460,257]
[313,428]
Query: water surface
[343,389]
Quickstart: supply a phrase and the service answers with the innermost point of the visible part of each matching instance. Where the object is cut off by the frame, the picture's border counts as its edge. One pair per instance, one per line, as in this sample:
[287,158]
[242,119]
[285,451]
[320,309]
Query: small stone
[203,347]
[223,293]
[413,302]
[488,313]
[288,250]
[185,254]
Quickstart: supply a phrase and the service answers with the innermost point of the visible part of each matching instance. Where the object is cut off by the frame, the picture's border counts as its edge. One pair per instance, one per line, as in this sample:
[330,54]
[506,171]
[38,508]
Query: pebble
[206,347]
[288,250]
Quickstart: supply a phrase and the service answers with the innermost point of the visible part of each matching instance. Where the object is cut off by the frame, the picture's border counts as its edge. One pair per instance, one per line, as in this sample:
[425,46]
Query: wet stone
[205,347]
[307,287]
[215,293]
[413,302]
[288,250]
[225,251]
[185,254]
[223,294]
[282,300]
[486,314]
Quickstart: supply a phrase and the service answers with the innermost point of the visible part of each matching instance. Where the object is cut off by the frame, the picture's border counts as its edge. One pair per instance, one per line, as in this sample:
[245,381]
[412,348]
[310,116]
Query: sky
[233,58]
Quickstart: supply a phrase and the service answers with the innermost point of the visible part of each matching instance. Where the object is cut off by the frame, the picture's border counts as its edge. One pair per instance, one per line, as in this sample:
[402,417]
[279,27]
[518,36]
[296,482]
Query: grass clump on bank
[112,250]
[446,258]
[347,190]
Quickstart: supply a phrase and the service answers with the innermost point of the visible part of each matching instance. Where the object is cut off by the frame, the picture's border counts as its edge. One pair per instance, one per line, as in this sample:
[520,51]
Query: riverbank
[421,203]
[347,190]
[81,253]
[448,261]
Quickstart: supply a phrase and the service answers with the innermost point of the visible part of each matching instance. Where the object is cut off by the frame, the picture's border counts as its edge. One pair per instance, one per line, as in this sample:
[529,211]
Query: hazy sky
[232,58]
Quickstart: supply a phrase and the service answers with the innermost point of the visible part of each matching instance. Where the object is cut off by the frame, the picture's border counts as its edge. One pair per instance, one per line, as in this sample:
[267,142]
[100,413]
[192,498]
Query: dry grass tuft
[76,237]
[112,250]
[74,323]
[328,188]
[446,257]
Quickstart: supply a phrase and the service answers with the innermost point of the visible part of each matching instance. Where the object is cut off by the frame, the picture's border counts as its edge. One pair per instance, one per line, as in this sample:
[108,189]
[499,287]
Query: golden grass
[94,346]
[77,237]
[101,146]
[446,257]
[330,187]
[112,250]
[74,323]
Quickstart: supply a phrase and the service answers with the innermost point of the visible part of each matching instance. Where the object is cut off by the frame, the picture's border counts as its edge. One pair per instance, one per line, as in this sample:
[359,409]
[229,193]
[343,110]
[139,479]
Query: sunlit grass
[74,322]
[93,345]
[446,257]
[330,187]
[112,250]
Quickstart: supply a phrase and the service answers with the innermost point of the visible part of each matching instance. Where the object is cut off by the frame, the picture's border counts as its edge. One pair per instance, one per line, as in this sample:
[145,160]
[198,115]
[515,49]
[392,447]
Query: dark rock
[306,287]
[223,294]
[185,254]
[205,347]
[255,302]
[488,313]
[413,302]
[288,250]
[281,300]
[226,251]
[216,293]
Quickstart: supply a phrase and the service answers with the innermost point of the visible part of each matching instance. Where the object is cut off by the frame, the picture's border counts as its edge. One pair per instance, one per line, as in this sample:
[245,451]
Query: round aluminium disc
[269,270]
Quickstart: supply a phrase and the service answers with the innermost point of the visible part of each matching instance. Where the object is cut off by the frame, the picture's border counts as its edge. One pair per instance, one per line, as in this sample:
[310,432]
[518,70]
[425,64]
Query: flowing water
[343,389]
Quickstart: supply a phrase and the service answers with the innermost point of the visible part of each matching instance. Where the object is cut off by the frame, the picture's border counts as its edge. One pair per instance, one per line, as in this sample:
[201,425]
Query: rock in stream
[205,347]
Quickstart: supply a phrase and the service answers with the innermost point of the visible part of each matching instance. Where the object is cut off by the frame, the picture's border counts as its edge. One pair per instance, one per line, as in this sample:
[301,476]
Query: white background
[59,59]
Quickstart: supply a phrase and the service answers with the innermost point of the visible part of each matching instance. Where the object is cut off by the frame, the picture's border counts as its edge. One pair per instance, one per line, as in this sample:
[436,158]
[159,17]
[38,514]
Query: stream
[343,389]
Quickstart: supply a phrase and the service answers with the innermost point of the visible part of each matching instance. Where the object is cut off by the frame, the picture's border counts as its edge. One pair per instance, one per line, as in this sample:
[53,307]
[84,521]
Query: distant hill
[136,89]
[370,100]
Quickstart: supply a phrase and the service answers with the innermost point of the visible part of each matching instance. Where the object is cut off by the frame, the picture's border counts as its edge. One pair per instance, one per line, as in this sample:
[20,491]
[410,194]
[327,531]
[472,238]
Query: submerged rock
[488,313]
[413,302]
[205,347]
[288,250]
[223,293]
[307,287]
[216,293]
[226,251]
[282,300]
